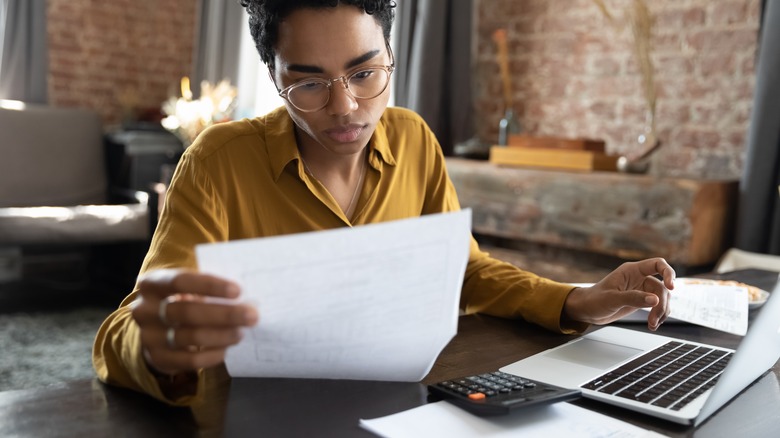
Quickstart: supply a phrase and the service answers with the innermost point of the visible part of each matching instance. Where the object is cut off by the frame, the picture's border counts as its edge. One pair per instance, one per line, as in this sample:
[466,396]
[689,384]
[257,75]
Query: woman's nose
[341,100]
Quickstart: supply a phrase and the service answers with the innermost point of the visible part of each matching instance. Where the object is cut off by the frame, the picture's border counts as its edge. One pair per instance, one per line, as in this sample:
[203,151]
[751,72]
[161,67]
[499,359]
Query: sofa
[54,189]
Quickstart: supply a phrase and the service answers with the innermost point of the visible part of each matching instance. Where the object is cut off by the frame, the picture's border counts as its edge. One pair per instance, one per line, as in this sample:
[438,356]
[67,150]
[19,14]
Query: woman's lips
[345,134]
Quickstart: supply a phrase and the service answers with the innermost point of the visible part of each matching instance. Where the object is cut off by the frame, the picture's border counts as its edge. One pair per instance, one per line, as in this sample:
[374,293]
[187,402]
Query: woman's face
[328,43]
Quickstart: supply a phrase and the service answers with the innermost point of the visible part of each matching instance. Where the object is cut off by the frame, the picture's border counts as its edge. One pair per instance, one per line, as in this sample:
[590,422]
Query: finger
[190,311]
[669,275]
[660,311]
[639,299]
[658,265]
[164,282]
[185,338]
[667,308]
[177,361]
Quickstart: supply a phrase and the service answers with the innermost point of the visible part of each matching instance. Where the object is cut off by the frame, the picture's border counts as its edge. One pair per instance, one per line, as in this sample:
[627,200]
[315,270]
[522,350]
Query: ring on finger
[162,309]
[170,337]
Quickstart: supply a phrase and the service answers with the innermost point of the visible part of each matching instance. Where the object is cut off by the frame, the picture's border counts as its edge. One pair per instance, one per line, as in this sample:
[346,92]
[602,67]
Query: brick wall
[108,55]
[574,75]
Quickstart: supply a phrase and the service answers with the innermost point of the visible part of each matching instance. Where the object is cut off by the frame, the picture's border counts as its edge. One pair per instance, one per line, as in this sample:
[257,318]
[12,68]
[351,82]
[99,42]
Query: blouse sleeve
[192,214]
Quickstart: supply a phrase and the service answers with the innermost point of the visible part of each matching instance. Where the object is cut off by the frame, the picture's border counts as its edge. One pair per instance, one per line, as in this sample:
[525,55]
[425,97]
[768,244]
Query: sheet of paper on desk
[374,302]
[720,307]
[557,420]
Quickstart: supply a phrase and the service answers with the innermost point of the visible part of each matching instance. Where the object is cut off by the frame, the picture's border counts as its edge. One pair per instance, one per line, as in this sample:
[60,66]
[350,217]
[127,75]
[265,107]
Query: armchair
[54,189]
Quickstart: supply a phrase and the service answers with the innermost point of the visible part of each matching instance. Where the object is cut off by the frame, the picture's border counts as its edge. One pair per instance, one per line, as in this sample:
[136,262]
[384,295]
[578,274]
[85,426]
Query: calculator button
[477,396]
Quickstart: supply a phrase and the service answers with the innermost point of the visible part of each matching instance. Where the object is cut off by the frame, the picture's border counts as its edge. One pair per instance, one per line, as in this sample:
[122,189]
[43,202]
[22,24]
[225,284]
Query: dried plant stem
[499,37]
[641,23]
[605,11]
[641,27]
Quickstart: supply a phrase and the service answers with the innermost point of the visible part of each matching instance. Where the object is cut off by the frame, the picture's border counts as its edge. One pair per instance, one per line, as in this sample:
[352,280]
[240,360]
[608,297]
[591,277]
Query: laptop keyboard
[670,376]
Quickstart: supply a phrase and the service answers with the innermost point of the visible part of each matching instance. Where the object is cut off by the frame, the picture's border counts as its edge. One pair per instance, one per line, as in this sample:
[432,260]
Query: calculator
[499,393]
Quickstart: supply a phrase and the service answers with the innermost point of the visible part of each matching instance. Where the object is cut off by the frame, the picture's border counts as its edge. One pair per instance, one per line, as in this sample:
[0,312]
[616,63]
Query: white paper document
[374,302]
[720,307]
[557,420]
[717,306]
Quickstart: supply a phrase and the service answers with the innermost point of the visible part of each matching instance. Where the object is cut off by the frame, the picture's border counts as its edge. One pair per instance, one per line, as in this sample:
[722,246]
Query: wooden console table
[687,221]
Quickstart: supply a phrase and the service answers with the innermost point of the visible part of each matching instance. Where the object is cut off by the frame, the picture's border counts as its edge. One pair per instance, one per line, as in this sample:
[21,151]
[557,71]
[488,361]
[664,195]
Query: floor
[49,318]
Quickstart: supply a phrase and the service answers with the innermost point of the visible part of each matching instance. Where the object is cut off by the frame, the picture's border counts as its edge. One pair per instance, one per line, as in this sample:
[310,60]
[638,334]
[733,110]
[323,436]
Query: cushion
[82,224]
[52,157]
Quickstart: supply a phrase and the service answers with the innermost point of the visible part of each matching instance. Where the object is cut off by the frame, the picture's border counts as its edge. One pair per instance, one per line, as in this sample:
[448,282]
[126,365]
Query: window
[257,95]
[3,12]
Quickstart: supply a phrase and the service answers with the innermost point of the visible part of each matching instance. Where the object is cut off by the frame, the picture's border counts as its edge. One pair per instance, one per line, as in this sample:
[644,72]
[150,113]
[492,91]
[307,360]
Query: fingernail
[650,299]
[250,317]
[233,290]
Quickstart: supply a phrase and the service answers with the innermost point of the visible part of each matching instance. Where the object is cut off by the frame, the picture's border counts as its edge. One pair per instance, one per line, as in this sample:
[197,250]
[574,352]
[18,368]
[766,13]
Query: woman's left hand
[631,286]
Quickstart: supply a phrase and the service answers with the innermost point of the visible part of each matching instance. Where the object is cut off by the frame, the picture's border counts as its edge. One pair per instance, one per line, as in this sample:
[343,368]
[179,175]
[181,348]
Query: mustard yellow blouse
[245,179]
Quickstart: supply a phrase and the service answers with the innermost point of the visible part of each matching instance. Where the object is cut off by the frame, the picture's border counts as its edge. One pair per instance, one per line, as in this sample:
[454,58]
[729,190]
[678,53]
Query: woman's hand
[631,286]
[184,326]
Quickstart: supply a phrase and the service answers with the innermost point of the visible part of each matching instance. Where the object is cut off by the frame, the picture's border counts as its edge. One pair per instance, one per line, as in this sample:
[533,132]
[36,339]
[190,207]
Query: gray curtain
[433,59]
[24,62]
[758,221]
[220,23]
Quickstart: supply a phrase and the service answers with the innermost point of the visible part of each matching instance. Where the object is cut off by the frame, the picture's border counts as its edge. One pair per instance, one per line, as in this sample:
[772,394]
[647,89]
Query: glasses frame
[284,93]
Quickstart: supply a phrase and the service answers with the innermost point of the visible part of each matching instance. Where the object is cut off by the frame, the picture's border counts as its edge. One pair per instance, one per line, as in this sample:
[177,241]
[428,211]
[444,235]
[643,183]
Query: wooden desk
[289,407]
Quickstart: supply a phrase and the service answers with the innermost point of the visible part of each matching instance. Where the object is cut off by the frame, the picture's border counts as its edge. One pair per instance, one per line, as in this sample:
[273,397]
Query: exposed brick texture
[574,75]
[117,55]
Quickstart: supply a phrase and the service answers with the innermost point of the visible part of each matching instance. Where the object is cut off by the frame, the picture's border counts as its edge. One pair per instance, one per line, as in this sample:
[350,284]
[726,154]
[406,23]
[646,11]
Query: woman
[333,156]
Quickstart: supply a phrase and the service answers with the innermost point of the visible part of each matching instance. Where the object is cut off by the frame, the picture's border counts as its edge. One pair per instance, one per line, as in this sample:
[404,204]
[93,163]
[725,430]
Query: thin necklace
[357,187]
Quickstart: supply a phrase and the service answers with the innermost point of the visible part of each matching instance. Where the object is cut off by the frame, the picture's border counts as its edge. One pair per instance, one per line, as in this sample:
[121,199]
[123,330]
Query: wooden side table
[687,221]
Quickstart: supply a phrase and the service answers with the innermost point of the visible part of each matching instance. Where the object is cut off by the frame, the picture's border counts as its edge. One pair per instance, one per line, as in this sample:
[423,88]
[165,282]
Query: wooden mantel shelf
[686,221]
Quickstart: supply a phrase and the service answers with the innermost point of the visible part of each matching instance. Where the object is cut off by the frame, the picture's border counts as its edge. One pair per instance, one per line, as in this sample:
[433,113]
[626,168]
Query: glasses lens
[368,83]
[313,94]
[309,95]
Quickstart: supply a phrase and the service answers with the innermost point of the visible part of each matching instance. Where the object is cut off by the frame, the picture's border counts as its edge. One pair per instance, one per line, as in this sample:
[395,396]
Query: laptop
[622,367]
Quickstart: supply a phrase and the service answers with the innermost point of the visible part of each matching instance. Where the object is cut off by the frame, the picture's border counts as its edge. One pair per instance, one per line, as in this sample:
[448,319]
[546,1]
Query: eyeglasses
[313,94]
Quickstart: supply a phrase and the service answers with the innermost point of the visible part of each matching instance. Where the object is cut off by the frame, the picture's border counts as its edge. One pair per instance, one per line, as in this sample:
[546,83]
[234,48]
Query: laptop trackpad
[594,354]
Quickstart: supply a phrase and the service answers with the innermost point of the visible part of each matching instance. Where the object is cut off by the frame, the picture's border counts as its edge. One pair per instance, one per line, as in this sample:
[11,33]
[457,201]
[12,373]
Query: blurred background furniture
[142,155]
[737,259]
[602,217]
[56,203]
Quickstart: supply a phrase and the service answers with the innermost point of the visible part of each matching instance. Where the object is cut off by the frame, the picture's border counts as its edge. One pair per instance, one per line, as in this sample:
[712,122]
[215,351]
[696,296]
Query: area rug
[43,348]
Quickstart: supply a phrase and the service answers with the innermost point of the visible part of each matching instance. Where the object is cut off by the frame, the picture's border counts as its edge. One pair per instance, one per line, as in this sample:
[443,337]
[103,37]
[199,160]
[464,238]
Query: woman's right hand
[183,328]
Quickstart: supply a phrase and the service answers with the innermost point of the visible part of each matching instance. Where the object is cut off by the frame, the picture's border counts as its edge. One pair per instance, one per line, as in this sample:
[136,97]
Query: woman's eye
[365,74]
[311,86]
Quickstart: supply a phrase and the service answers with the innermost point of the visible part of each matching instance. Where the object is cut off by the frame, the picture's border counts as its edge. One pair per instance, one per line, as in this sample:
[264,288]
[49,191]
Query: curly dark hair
[265,15]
